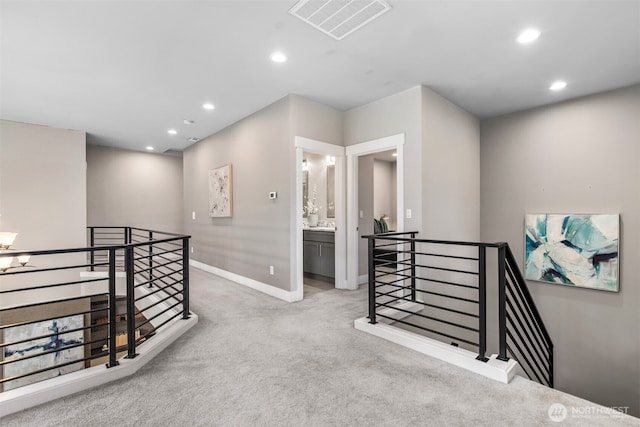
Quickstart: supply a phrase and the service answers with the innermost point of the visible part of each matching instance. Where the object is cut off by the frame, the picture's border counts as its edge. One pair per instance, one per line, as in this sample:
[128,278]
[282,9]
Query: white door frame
[302,145]
[394,142]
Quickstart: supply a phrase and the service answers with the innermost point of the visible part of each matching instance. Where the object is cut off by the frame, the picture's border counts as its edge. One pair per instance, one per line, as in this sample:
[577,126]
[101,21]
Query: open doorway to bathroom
[318,222]
[320,245]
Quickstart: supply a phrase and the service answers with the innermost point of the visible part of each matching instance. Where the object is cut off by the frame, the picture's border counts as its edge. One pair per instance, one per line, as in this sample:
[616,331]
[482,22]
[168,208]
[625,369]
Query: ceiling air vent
[194,139]
[173,152]
[339,18]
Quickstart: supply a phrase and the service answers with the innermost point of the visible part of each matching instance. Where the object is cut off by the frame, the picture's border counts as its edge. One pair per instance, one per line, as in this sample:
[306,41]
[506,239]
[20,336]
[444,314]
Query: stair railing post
[372,282]
[150,258]
[413,266]
[185,278]
[92,254]
[482,303]
[131,303]
[502,304]
[112,309]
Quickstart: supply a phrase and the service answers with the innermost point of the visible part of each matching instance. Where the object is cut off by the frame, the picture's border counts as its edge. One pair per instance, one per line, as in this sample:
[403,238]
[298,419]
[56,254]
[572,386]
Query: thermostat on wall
[273,195]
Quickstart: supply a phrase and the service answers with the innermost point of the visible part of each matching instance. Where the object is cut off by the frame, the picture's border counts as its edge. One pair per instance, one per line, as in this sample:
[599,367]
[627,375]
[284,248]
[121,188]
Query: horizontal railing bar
[55,285]
[39,371]
[432,293]
[511,261]
[533,350]
[37,304]
[31,270]
[395,237]
[44,353]
[429,330]
[521,297]
[465,258]
[407,298]
[526,319]
[452,270]
[523,356]
[160,314]
[404,276]
[163,300]
[168,320]
[424,316]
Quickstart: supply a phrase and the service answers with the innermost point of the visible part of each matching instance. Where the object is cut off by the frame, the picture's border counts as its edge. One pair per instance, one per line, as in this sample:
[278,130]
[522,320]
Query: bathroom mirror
[331,192]
[305,191]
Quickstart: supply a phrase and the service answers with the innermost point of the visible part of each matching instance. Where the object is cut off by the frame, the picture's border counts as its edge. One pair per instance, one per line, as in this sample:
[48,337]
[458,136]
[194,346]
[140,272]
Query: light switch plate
[273,195]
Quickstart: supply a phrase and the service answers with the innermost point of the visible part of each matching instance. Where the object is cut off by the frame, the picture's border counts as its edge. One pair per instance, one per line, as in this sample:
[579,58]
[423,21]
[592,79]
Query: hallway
[255,360]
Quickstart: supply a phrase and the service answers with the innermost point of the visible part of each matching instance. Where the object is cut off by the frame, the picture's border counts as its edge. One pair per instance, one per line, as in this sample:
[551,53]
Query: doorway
[395,144]
[330,166]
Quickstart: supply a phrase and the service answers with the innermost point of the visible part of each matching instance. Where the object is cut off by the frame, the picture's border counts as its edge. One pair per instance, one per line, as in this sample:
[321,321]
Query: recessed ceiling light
[172,132]
[149,148]
[278,57]
[208,106]
[559,85]
[529,35]
[188,122]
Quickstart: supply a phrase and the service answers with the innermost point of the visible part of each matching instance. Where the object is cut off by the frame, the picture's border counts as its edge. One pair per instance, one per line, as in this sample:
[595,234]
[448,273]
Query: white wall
[579,156]
[43,195]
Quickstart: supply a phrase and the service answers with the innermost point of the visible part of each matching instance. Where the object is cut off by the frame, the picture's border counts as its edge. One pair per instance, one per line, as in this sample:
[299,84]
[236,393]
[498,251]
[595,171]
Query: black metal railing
[440,289]
[70,309]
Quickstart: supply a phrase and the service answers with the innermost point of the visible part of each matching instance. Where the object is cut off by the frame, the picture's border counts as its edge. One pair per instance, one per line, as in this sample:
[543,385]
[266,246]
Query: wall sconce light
[6,262]
[331,160]
[6,239]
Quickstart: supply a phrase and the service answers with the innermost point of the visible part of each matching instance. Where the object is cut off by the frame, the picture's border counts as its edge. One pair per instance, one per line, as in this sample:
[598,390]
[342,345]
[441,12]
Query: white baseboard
[31,395]
[287,296]
[363,279]
[495,369]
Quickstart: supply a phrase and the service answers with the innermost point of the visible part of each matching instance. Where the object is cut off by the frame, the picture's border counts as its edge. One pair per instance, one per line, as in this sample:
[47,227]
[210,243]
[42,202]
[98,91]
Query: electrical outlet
[408,213]
[271,270]
[191,249]
[361,214]
[193,215]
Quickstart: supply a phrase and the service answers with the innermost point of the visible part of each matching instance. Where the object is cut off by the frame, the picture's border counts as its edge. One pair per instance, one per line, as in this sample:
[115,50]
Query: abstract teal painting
[575,250]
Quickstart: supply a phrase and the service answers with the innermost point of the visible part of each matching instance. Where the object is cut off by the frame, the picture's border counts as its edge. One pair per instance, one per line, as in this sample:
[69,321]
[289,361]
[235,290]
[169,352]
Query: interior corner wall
[579,156]
[450,170]
[131,188]
[43,185]
[393,115]
[257,235]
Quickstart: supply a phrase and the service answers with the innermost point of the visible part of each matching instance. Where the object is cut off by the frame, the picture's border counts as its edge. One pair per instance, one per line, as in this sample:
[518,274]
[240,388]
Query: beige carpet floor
[253,360]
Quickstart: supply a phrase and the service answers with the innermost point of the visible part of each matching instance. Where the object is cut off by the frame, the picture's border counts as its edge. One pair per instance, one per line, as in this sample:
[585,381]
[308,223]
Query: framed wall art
[580,250]
[221,192]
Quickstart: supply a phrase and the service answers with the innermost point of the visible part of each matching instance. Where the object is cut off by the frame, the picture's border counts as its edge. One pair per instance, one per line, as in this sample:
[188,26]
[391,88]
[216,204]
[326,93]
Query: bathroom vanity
[319,252]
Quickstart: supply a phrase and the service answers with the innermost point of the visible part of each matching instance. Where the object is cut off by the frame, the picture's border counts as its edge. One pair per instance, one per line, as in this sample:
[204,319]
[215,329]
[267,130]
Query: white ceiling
[127,71]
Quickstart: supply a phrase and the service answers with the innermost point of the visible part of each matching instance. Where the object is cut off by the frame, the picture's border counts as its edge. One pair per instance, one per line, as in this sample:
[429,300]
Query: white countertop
[320,228]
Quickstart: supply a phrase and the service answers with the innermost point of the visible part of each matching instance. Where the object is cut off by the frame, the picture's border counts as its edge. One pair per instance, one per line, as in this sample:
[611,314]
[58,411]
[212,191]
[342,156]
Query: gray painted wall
[389,116]
[257,235]
[579,156]
[134,188]
[450,170]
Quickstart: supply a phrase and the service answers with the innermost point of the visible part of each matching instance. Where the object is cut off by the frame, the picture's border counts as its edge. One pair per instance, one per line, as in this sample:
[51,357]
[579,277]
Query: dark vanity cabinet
[319,253]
